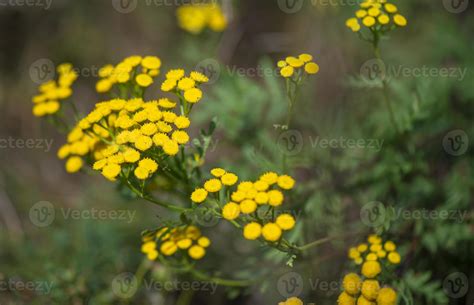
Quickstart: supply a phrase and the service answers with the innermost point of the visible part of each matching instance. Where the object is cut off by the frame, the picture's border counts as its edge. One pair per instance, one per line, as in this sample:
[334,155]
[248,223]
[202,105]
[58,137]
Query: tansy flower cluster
[375,251]
[366,290]
[295,67]
[249,199]
[186,240]
[185,87]
[194,18]
[126,136]
[377,15]
[292,301]
[131,73]
[51,92]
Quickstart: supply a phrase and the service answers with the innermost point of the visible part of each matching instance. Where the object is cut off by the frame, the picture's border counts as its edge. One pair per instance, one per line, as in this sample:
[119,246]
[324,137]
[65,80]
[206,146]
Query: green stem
[314,243]
[152,200]
[327,239]
[220,281]
[385,89]
[389,106]
[139,275]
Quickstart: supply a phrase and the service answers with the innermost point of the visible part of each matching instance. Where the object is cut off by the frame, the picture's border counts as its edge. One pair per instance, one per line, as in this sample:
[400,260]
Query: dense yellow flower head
[365,289]
[285,222]
[362,248]
[373,254]
[218,172]
[252,231]
[194,18]
[123,135]
[346,299]
[351,283]
[231,211]
[169,241]
[296,67]
[363,301]
[144,69]
[213,185]
[390,246]
[47,101]
[371,269]
[248,199]
[271,232]
[377,15]
[292,301]
[370,289]
[387,296]
[73,164]
[394,258]
[199,195]
[185,87]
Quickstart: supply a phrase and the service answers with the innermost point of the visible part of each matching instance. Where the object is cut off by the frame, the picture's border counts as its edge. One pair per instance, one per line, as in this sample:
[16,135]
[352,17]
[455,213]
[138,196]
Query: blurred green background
[80,257]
